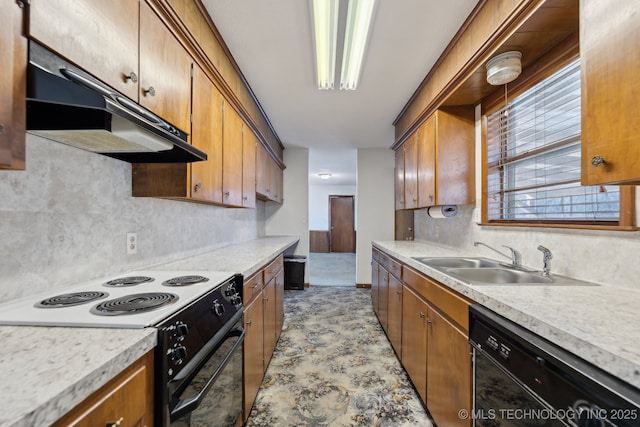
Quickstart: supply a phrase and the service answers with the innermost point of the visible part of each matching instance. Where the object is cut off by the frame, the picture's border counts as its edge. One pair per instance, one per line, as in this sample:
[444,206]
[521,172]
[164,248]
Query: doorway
[332,217]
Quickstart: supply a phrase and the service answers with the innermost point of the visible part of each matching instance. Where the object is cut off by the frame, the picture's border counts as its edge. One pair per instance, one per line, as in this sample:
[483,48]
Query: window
[533,158]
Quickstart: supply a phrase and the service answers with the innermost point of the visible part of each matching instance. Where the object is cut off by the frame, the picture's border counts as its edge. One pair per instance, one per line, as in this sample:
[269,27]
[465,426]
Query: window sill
[574,226]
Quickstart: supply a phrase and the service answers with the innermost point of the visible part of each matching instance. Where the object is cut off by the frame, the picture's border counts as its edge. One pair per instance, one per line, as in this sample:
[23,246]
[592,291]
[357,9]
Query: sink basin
[497,276]
[453,262]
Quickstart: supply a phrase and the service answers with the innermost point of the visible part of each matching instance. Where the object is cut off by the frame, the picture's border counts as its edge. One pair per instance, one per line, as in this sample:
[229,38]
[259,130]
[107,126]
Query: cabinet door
[383,297]
[231,156]
[128,397]
[165,67]
[427,163]
[411,171]
[269,325]
[375,268]
[249,143]
[253,352]
[276,183]
[394,316]
[455,156]
[99,36]
[263,171]
[609,40]
[448,372]
[206,134]
[13,56]
[279,303]
[414,340]
[399,179]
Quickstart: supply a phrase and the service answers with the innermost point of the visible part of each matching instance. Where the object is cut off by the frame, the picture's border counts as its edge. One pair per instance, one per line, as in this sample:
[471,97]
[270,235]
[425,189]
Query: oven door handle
[188,405]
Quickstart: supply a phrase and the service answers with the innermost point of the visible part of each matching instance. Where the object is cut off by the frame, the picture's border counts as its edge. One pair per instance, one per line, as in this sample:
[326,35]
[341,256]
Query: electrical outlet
[476,215]
[436,231]
[132,243]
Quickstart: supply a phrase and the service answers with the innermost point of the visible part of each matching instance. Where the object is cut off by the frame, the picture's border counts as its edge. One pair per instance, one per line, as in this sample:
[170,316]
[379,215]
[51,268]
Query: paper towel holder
[442,211]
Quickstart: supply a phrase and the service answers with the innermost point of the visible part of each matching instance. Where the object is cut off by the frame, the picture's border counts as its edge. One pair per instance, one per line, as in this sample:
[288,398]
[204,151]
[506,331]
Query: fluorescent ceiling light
[359,17]
[324,175]
[325,23]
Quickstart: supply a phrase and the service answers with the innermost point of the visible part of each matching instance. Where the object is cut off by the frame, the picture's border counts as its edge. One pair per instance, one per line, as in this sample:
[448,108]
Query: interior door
[342,224]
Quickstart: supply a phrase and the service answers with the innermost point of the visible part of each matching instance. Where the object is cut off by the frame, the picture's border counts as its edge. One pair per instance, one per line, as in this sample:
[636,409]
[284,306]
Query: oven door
[212,395]
[501,400]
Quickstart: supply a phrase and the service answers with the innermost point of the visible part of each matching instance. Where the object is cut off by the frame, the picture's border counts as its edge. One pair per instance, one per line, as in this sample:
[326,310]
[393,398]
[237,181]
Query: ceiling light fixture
[324,175]
[325,24]
[359,16]
[504,68]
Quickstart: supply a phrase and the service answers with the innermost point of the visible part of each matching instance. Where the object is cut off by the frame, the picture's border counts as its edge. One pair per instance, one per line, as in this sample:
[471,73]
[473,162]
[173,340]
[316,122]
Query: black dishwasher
[523,380]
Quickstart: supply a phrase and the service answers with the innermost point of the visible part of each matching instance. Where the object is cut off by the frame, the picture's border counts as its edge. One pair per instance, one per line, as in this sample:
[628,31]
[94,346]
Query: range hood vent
[67,105]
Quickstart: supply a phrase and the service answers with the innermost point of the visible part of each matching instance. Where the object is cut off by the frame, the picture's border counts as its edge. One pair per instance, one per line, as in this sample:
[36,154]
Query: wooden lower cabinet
[427,325]
[253,352]
[394,314]
[375,271]
[127,398]
[263,322]
[414,340]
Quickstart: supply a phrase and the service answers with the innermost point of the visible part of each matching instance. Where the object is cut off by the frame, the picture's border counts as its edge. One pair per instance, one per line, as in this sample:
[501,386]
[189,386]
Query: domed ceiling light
[504,68]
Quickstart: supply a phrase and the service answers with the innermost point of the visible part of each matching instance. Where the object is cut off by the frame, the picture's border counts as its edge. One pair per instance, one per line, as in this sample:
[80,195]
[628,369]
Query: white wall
[319,203]
[375,205]
[64,220]
[607,257]
[291,217]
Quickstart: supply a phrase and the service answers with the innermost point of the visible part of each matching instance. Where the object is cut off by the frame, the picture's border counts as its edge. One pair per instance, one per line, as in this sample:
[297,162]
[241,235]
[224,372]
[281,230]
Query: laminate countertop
[49,370]
[597,323]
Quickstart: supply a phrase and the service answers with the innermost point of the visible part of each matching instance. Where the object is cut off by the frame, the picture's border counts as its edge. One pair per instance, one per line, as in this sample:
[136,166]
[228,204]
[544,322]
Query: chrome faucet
[516,258]
[546,260]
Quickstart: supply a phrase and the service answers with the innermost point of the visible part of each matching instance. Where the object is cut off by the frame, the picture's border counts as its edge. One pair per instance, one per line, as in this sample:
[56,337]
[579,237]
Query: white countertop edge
[615,363]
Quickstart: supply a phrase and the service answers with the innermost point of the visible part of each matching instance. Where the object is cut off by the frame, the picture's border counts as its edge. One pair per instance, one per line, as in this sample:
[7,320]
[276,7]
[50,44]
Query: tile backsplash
[65,219]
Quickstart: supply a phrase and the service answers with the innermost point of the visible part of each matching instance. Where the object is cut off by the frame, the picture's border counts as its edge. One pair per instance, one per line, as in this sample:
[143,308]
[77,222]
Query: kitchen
[61,219]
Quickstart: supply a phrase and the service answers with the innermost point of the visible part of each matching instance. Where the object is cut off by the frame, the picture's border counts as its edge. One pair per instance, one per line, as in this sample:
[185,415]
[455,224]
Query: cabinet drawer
[448,302]
[395,268]
[375,254]
[252,287]
[273,268]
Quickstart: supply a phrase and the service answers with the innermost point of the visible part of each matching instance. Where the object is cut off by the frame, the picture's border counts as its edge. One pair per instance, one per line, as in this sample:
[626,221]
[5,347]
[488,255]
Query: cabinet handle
[597,161]
[1,128]
[248,323]
[132,76]
[256,285]
[430,198]
[399,292]
[421,315]
[117,423]
[151,91]
[197,187]
[266,298]
[428,321]
[226,194]
[245,198]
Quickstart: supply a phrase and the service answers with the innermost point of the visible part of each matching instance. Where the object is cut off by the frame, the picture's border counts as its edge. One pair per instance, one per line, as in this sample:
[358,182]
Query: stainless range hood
[67,105]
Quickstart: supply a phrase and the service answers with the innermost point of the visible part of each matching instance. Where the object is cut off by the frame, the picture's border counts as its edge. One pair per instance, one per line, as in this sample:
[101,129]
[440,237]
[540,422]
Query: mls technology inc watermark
[550,414]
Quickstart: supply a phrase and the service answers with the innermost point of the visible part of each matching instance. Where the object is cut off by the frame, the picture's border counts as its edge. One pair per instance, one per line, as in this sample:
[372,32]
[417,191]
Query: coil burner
[185,281]
[68,300]
[129,281]
[134,303]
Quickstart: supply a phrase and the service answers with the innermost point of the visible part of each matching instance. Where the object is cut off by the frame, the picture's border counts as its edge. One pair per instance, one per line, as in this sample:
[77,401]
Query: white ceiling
[272,43]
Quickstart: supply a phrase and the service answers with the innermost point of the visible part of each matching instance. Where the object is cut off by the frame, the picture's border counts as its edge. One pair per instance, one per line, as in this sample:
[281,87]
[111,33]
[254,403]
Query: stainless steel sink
[453,262]
[498,276]
[484,271]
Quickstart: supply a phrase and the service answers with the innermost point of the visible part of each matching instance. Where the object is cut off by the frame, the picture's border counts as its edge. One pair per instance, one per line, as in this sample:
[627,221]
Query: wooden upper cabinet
[249,147]
[439,160]
[13,55]
[206,135]
[399,178]
[231,156]
[165,66]
[609,40]
[411,171]
[276,182]
[427,163]
[263,172]
[455,156]
[98,36]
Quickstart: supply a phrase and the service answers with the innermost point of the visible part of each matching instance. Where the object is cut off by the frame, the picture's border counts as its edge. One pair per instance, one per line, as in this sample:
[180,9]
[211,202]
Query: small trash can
[294,271]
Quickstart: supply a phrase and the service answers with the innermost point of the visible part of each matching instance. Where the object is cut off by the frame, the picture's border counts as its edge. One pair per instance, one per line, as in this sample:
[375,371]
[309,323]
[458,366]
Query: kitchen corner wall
[605,257]
[65,218]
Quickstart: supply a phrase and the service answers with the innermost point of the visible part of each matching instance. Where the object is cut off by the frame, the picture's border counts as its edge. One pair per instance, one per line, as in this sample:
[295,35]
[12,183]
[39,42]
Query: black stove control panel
[194,328]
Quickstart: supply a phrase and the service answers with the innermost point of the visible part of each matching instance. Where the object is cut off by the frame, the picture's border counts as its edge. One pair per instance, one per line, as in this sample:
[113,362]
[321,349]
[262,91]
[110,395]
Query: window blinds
[533,154]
